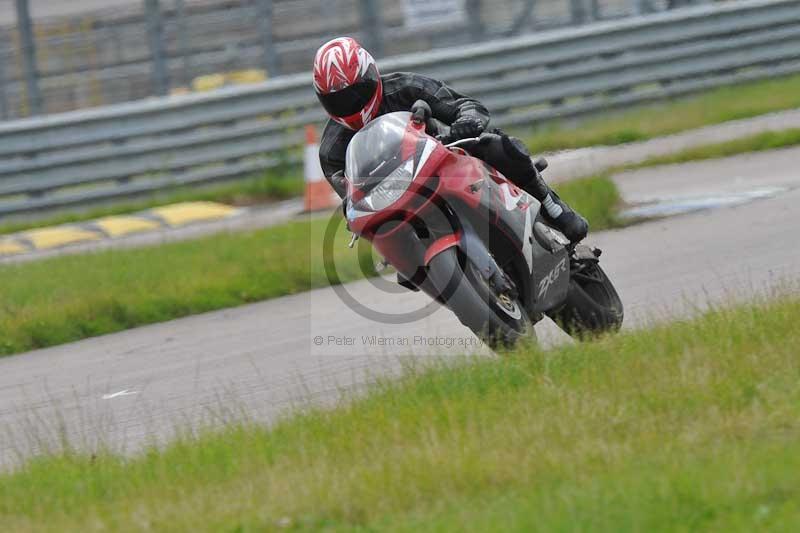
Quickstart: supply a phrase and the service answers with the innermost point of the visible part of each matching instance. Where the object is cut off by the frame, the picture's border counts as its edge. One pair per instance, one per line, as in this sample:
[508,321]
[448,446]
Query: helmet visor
[352,99]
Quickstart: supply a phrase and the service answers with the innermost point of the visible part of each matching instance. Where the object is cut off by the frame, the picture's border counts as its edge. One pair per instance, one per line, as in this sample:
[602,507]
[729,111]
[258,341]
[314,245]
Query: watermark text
[395,340]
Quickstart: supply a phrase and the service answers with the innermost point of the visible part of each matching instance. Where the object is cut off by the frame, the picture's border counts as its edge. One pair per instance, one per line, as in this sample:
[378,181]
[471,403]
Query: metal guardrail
[138,148]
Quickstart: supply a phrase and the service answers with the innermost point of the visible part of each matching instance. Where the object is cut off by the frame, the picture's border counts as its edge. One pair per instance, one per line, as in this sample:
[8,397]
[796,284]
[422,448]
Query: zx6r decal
[551,278]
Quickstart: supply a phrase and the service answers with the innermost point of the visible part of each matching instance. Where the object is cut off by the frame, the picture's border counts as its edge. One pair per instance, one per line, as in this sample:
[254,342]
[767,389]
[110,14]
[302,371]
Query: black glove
[466,127]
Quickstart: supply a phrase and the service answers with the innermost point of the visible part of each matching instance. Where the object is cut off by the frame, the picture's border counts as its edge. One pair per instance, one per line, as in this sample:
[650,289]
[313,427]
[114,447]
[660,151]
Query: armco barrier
[137,148]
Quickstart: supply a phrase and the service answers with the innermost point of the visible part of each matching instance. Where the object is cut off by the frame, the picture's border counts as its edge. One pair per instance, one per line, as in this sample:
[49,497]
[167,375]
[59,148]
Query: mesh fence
[87,55]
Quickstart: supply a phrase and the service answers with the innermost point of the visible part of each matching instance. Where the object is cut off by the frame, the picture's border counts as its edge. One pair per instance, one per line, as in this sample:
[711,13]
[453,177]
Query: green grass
[68,298]
[663,118]
[72,297]
[770,140]
[691,426]
[596,198]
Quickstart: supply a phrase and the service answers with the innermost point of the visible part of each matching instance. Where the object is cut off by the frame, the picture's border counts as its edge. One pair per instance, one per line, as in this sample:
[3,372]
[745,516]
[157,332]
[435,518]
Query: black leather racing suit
[507,154]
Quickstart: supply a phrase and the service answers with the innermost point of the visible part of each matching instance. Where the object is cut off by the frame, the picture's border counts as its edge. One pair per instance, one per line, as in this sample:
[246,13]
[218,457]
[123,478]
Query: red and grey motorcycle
[455,228]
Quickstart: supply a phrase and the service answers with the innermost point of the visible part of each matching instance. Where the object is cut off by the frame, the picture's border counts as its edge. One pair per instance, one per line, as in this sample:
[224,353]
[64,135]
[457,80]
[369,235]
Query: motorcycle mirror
[540,164]
[420,112]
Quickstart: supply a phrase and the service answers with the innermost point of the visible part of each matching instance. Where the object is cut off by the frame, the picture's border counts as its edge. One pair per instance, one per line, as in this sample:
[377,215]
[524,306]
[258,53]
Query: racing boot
[563,218]
[526,174]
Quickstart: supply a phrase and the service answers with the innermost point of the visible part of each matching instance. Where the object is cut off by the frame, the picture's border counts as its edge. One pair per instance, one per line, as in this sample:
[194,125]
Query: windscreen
[375,151]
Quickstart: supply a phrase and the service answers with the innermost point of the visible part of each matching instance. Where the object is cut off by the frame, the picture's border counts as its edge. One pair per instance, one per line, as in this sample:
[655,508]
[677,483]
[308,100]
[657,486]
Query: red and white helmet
[347,82]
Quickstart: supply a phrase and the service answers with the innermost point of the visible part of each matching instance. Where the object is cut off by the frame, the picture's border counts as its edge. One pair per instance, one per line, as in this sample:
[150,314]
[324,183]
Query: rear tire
[498,320]
[592,306]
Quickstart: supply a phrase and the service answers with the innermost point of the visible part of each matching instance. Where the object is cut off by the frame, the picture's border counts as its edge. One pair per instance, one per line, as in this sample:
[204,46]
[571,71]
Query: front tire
[499,320]
[592,306]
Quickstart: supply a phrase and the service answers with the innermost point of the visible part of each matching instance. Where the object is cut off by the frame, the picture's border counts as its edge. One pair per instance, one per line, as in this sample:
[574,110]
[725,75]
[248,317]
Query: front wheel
[592,306]
[498,319]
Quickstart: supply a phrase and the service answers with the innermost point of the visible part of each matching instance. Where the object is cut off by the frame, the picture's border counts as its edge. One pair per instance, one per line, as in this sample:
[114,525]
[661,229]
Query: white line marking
[125,392]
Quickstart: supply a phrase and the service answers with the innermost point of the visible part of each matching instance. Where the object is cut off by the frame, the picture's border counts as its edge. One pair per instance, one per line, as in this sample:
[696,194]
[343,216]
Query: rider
[352,91]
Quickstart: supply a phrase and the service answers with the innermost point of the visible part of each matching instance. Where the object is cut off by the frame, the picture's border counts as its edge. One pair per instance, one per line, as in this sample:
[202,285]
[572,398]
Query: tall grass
[686,426]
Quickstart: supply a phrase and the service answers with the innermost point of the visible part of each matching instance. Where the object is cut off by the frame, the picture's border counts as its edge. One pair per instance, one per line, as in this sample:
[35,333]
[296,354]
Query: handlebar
[458,143]
[421,114]
[540,163]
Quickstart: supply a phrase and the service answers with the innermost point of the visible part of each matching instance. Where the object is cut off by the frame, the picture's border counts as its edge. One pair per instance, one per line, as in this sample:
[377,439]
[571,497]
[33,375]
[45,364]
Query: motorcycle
[455,228]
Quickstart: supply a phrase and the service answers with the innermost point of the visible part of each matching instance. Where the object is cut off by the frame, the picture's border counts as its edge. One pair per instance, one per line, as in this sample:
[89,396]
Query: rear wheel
[592,305]
[498,319]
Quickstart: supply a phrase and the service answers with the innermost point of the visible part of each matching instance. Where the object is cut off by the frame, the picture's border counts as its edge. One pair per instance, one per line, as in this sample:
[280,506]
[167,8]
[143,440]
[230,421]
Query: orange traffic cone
[319,194]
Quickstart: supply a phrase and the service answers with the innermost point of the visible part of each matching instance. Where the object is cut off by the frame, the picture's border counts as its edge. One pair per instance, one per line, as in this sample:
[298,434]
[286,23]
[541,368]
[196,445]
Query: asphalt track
[135,387]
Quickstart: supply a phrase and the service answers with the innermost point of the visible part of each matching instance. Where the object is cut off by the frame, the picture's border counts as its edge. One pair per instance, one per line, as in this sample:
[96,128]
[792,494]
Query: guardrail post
[3,59]
[183,43]
[155,34]
[476,29]
[578,12]
[270,60]
[523,17]
[28,48]
[595,13]
[371,27]
[643,7]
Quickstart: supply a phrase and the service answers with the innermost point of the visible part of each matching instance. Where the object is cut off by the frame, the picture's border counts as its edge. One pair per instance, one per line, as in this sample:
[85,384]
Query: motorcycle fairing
[503,217]
[496,219]
[408,259]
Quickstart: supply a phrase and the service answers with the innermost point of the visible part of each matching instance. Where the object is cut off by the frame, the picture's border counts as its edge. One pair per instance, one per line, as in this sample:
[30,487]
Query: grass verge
[689,426]
[663,118]
[770,140]
[596,198]
[68,298]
